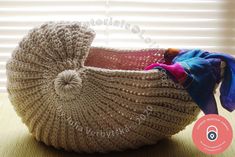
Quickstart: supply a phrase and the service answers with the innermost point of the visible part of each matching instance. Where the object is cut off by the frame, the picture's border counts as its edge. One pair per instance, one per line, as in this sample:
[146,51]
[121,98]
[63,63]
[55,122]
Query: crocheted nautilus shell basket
[87,99]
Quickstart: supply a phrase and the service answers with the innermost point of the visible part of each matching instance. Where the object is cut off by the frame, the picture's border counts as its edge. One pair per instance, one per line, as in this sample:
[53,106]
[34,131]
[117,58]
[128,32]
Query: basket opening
[122,59]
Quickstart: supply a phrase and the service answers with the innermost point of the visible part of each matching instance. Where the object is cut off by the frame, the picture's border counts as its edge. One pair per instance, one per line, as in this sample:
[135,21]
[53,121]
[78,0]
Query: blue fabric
[203,69]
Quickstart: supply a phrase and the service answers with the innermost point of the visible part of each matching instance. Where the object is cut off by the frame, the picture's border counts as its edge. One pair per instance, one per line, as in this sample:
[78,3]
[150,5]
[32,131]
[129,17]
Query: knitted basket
[87,99]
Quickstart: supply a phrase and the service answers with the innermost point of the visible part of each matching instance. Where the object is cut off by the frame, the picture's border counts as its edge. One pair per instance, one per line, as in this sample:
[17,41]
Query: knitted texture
[91,107]
[123,59]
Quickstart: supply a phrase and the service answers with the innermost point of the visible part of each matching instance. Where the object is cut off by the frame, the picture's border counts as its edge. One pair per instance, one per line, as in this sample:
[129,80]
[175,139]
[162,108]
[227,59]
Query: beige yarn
[88,109]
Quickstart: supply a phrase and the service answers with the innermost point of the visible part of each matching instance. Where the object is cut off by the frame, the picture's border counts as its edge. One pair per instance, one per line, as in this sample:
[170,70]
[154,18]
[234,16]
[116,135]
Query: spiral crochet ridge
[69,103]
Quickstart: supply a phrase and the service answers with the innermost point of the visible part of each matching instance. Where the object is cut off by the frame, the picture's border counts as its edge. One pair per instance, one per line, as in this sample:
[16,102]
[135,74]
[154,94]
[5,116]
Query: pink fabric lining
[123,59]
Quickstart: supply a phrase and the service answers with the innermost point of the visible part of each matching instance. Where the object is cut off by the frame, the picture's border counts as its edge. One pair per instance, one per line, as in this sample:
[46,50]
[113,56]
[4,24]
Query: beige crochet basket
[75,106]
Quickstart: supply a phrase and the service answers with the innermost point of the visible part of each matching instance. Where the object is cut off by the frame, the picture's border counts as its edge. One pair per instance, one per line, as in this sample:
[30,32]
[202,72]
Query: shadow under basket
[88,99]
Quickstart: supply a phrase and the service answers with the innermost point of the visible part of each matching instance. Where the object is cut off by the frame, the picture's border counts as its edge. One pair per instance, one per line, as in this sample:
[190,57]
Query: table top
[16,141]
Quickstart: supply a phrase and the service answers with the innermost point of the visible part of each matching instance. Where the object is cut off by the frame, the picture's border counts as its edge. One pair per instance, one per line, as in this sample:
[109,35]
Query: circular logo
[212,134]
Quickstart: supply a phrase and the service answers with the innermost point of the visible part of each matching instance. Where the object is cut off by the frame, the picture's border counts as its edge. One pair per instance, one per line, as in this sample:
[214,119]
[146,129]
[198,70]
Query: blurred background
[206,24]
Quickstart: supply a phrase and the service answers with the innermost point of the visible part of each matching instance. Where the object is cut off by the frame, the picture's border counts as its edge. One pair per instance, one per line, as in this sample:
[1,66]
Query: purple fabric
[227,88]
[199,72]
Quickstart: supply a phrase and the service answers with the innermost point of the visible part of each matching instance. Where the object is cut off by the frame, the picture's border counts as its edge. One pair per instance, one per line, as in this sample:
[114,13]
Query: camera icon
[212,133]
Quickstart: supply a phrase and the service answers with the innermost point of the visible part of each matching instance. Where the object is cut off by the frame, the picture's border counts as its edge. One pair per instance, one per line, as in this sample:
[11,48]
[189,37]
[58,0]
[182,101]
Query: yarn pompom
[68,84]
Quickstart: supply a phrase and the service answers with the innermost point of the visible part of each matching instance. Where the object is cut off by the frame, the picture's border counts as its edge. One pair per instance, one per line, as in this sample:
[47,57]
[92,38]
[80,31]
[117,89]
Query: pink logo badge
[212,134]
